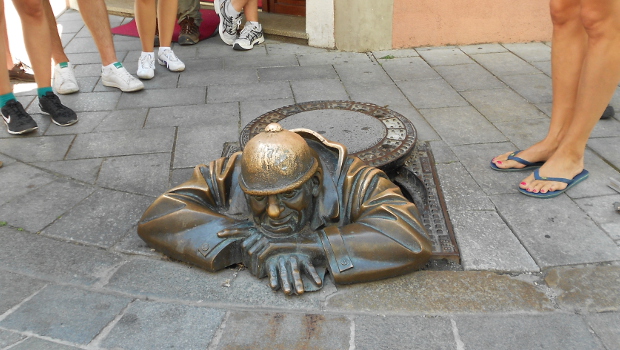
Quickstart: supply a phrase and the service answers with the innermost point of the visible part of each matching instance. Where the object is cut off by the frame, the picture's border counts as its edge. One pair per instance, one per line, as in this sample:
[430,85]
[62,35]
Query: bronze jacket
[367,228]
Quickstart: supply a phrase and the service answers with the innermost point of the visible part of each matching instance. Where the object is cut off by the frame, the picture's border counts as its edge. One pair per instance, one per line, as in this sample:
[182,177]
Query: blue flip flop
[570,182]
[512,156]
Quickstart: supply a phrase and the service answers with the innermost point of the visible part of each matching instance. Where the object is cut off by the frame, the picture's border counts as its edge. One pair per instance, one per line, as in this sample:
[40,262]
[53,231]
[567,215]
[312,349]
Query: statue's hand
[242,231]
[284,271]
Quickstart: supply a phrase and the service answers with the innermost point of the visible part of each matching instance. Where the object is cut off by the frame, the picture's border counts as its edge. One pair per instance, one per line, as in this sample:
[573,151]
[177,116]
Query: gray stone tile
[219,77]
[411,68]
[14,289]
[146,174]
[431,93]
[19,179]
[33,343]
[102,219]
[524,133]
[444,56]
[606,128]
[150,325]
[586,289]
[362,74]
[597,183]
[66,313]
[466,77]
[482,48]
[39,208]
[441,292]
[134,245]
[251,110]
[80,45]
[502,105]
[531,52]
[297,73]
[317,90]
[88,84]
[283,48]
[197,66]
[601,210]
[425,131]
[462,125]
[549,232]
[120,143]
[163,98]
[86,102]
[87,70]
[517,332]
[49,259]
[442,153]
[218,49]
[86,58]
[193,115]
[382,95]
[85,170]
[202,144]
[37,149]
[72,26]
[400,53]
[182,175]
[332,57]
[420,332]
[543,66]
[261,62]
[249,92]
[504,63]
[461,192]
[607,328]
[477,160]
[126,119]
[608,148]
[535,88]
[493,250]
[87,122]
[285,331]
[69,15]
[9,338]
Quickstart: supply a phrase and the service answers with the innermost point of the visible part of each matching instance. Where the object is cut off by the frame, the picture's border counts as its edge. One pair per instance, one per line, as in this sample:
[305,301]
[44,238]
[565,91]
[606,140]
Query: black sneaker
[16,119]
[61,115]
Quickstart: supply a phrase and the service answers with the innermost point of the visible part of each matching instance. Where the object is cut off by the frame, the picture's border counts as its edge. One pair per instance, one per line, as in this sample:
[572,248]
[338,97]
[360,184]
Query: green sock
[6,98]
[42,91]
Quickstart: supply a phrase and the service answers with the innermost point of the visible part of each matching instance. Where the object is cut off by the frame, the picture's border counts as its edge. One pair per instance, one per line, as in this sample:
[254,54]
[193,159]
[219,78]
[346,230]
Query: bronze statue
[291,205]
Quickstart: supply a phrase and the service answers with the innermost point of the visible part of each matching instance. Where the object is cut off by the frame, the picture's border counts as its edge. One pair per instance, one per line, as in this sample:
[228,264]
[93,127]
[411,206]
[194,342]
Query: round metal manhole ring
[397,143]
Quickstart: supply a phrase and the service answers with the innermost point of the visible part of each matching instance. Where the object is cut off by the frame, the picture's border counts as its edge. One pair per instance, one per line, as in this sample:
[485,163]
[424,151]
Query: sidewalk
[74,275]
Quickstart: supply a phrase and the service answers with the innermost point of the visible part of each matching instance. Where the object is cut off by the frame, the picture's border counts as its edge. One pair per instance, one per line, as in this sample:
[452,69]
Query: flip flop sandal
[512,156]
[570,182]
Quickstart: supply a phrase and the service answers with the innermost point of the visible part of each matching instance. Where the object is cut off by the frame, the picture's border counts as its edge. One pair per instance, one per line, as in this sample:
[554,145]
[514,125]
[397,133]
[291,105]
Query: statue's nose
[273,207]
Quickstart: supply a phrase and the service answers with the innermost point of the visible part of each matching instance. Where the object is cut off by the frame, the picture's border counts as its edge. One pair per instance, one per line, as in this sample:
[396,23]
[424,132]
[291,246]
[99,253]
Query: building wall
[363,25]
[461,22]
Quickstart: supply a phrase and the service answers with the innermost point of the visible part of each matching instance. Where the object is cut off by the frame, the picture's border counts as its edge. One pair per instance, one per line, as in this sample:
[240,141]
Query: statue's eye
[289,194]
[258,198]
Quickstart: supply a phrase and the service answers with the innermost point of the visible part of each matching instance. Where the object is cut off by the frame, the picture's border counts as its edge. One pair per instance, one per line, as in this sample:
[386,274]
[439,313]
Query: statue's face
[284,214]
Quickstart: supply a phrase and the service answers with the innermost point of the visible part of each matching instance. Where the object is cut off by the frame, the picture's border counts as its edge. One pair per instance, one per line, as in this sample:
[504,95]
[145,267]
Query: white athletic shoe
[64,81]
[229,25]
[115,75]
[251,35]
[146,66]
[167,58]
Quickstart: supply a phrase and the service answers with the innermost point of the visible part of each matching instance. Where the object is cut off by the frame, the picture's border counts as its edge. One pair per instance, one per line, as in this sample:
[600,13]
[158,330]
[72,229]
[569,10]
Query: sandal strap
[513,156]
[558,179]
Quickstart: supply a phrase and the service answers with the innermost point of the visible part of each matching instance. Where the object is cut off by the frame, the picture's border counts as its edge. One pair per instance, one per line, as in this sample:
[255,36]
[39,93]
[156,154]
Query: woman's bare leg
[37,39]
[146,17]
[167,18]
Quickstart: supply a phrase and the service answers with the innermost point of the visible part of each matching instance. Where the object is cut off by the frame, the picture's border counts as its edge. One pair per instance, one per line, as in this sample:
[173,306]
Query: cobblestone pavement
[74,275]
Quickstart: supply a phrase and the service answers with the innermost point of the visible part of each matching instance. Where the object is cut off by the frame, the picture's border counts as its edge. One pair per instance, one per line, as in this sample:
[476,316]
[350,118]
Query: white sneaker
[146,66]
[167,58]
[115,75]
[64,81]
[229,25]
[251,34]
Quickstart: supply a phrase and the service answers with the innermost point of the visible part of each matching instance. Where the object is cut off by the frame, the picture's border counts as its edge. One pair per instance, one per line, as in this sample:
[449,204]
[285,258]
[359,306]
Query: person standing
[230,12]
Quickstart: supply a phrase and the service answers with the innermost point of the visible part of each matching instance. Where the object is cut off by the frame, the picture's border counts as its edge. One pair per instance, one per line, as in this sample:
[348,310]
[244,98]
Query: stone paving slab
[285,331]
[362,74]
[444,56]
[249,92]
[586,289]
[163,98]
[47,259]
[125,119]
[9,338]
[73,322]
[462,125]
[33,343]
[441,292]
[318,90]
[608,148]
[410,68]
[536,88]
[504,64]
[193,147]
[146,174]
[295,73]
[14,289]
[465,77]
[85,170]
[151,325]
[531,52]
[19,179]
[502,105]
[386,95]
[517,332]
[37,149]
[431,93]
[87,122]
[607,328]
[601,210]
[461,192]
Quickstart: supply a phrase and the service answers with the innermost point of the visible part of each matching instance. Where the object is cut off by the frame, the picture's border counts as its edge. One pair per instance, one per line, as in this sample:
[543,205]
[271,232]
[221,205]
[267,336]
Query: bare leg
[58,53]
[567,54]
[36,38]
[7,56]
[249,7]
[146,17]
[5,83]
[95,16]
[166,16]
[598,80]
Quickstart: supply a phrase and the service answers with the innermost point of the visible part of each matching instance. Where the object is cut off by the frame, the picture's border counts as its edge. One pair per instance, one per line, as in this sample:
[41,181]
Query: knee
[597,21]
[563,11]
[30,9]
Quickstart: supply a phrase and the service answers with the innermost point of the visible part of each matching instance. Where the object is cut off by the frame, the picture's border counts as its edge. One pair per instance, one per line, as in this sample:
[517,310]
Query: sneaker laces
[55,100]
[188,26]
[17,111]
[231,24]
[146,62]
[169,55]
[247,30]
[66,73]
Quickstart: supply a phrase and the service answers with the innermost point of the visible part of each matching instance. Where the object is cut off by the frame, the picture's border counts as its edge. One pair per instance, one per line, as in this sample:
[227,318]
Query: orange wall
[462,22]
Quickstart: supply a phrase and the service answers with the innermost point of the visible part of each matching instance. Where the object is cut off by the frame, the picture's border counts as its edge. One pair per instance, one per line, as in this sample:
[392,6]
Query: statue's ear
[316,183]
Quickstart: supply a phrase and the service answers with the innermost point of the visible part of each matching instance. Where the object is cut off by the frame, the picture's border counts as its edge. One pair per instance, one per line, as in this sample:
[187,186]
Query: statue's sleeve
[183,222]
[381,234]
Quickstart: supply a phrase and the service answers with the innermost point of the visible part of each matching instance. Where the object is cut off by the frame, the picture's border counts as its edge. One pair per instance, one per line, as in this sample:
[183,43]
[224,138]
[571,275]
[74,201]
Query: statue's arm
[384,236]
[183,222]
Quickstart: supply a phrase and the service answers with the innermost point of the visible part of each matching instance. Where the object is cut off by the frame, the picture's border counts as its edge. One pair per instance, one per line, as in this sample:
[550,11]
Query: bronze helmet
[276,161]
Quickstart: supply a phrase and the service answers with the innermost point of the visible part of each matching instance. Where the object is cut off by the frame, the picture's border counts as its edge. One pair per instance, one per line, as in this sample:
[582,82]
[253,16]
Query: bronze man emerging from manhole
[291,205]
